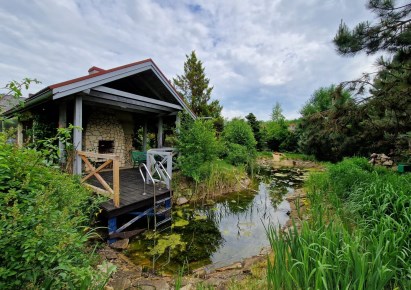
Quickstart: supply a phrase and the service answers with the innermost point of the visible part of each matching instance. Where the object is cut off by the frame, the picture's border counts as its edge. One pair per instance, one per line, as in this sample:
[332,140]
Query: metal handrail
[142,165]
[160,167]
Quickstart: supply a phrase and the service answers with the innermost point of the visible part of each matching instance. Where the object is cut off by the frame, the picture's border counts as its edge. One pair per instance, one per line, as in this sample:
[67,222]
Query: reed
[359,235]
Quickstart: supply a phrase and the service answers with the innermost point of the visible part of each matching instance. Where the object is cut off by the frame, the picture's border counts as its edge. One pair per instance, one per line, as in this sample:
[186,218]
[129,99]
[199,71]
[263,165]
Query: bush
[240,142]
[43,217]
[237,154]
[198,148]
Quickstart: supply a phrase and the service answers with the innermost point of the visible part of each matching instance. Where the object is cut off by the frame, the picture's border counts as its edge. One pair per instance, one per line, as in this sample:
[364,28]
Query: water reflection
[228,231]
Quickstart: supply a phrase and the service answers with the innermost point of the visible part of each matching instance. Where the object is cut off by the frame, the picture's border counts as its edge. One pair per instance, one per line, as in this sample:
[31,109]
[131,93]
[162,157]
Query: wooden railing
[113,193]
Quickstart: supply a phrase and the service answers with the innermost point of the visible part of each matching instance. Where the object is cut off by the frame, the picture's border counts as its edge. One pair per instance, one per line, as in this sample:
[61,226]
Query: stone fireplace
[104,133]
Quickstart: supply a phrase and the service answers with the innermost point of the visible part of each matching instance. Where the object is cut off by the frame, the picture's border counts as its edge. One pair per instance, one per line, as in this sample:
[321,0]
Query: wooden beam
[77,134]
[115,92]
[97,155]
[96,170]
[160,133]
[178,123]
[62,124]
[145,136]
[20,134]
[96,175]
[116,181]
[98,190]
[123,103]
[115,105]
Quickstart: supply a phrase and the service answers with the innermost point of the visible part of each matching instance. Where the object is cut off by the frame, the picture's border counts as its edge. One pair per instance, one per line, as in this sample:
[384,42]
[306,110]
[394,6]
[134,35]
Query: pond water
[229,230]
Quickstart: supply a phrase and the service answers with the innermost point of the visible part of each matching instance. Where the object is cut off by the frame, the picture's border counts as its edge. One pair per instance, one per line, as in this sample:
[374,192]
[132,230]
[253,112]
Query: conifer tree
[194,87]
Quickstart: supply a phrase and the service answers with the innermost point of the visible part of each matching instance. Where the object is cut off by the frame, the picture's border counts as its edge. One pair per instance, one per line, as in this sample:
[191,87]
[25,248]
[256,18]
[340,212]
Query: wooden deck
[131,192]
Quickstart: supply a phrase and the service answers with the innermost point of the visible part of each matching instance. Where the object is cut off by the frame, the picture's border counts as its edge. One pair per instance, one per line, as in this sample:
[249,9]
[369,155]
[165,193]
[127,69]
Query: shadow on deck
[131,192]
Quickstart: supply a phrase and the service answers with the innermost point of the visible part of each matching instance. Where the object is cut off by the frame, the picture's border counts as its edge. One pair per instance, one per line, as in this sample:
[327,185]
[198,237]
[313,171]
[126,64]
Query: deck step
[163,221]
[167,209]
[163,200]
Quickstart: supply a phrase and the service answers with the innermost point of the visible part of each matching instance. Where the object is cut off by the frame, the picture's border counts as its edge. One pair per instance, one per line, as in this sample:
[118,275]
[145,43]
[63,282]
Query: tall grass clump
[358,237]
[44,215]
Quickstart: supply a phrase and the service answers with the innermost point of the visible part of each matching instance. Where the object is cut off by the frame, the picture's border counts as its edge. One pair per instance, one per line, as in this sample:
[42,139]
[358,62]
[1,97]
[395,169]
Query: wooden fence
[113,193]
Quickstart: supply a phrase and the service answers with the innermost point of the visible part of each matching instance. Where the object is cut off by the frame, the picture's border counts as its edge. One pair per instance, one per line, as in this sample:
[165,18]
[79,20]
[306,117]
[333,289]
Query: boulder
[120,244]
[181,200]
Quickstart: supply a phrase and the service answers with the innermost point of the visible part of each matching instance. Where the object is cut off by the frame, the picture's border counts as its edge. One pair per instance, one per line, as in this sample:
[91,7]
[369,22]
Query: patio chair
[138,157]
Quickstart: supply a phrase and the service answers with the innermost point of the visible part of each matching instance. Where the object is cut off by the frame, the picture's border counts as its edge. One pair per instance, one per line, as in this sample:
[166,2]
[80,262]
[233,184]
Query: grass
[223,177]
[359,235]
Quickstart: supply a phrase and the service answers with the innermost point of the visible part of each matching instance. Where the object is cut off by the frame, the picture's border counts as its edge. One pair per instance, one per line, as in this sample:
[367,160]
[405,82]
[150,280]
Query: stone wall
[105,125]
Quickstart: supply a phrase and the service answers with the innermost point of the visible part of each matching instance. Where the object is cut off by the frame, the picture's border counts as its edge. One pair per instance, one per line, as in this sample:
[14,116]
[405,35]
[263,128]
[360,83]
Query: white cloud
[255,52]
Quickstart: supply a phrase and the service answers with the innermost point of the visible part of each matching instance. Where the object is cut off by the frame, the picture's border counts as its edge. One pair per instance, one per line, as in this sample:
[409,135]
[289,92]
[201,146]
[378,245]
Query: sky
[255,52]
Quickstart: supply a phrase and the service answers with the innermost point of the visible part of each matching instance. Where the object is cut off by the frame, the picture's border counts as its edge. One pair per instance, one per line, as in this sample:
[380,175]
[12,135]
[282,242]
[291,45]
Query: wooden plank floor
[131,192]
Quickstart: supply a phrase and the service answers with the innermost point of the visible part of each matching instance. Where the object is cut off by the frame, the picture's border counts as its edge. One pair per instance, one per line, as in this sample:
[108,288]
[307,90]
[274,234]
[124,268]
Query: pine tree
[194,87]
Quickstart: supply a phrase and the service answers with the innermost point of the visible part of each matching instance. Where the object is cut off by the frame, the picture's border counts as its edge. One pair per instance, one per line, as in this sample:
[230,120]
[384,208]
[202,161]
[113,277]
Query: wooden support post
[116,181]
[145,136]
[20,134]
[178,123]
[112,227]
[62,124]
[77,136]
[160,133]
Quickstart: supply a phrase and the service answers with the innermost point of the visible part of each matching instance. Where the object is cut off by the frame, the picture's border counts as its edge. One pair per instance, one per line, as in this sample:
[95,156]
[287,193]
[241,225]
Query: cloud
[255,52]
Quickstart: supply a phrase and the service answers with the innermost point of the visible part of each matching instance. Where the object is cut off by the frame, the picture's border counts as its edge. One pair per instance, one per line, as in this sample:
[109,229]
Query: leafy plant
[197,146]
[44,216]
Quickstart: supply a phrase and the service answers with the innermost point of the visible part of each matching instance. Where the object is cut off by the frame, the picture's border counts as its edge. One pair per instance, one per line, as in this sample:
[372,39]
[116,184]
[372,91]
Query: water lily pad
[180,223]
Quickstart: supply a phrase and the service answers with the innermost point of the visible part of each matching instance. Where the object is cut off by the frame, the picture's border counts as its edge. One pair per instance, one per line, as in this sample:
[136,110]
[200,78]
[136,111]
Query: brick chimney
[94,70]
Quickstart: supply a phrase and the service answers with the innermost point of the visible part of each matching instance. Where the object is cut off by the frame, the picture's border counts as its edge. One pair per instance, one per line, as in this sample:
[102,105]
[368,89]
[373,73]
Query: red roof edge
[95,68]
[98,74]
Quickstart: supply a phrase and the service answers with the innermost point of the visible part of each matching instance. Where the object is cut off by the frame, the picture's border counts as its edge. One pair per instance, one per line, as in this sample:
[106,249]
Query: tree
[194,87]
[387,111]
[277,113]
[255,126]
[330,125]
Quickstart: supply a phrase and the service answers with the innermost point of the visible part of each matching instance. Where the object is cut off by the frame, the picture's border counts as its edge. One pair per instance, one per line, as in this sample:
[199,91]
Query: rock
[120,244]
[383,156]
[388,163]
[188,287]
[249,262]
[200,273]
[108,287]
[152,284]
[237,265]
[181,200]
[374,155]
[215,282]
[121,284]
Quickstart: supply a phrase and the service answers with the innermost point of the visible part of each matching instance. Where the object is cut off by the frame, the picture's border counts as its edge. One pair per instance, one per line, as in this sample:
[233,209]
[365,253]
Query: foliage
[15,88]
[255,126]
[240,142]
[193,85]
[358,237]
[329,129]
[43,228]
[277,113]
[275,133]
[197,145]
[384,115]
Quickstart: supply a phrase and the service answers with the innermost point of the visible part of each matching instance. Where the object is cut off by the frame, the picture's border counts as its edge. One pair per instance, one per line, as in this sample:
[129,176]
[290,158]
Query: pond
[227,231]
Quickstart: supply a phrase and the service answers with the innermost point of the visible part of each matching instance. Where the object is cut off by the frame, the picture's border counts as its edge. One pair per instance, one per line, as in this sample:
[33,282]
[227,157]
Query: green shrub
[198,148]
[238,131]
[239,140]
[237,154]
[44,215]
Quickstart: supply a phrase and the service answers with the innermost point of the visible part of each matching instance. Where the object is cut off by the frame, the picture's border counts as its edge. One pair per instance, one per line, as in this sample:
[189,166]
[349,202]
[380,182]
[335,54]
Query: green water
[231,229]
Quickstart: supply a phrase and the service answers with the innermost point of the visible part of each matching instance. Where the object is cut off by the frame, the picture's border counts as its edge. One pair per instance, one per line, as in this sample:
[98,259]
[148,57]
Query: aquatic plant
[358,237]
